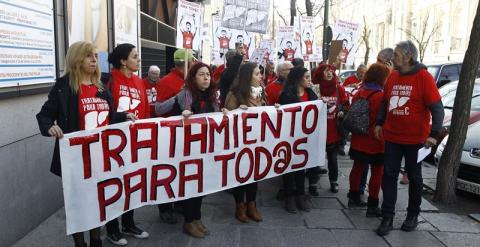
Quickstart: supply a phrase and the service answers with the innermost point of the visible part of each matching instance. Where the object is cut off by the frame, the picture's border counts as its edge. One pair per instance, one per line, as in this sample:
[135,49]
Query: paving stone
[358,238]
[415,238]
[446,222]
[326,203]
[250,236]
[279,217]
[452,239]
[162,235]
[423,224]
[307,238]
[475,217]
[360,221]
[220,235]
[327,218]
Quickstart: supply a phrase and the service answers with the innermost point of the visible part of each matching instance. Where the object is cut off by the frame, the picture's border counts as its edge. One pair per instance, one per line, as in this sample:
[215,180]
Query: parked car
[468,178]
[344,74]
[448,93]
[446,72]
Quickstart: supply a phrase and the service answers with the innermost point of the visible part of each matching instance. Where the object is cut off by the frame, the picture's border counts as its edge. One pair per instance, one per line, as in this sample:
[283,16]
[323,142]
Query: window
[448,73]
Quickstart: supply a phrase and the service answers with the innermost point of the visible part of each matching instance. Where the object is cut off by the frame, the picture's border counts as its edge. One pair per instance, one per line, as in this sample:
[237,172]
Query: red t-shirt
[129,94]
[187,40]
[217,73]
[289,54]
[273,91]
[368,143]
[92,110]
[408,98]
[333,103]
[308,45]
[170,85]
[304,97]
[353,79]
[151,91]
[224,41]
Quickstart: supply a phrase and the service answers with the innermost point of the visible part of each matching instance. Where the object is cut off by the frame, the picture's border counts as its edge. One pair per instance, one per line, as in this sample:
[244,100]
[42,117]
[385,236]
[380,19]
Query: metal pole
[325,25]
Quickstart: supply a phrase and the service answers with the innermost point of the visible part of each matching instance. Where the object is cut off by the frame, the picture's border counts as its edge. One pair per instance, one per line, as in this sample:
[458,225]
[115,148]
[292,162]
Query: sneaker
[117,239]
[334,187]
[312,190]
[135,232]
[303,203]
[168,217]
[290,204]
[410,223]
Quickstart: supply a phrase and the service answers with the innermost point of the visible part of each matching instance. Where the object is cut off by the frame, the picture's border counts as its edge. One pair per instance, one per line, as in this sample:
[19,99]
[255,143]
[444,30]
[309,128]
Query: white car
[468,178]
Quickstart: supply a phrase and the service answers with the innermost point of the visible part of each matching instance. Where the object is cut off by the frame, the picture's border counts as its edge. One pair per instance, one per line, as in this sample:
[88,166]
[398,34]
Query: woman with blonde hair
[69,108]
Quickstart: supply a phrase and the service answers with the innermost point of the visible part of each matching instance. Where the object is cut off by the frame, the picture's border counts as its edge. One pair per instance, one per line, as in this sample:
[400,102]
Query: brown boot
[252,212]
[240,213]
[201,227]
[192,230]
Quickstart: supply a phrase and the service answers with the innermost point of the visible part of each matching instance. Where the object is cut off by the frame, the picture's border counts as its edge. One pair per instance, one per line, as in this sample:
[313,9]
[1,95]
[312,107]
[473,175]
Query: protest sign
[258,56]
[287,44]
[347,32]
[189,22]
[113,169]
[246,38]
[308,39]
[257,16]
[221,40]
[267,44]
[234,13]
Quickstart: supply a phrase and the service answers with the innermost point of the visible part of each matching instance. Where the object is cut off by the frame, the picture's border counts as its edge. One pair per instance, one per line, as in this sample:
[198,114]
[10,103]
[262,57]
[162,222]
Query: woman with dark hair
[198,96]
[129,95]
[68,109]
[297,89]
[247,91]
[366,149]
[337,104]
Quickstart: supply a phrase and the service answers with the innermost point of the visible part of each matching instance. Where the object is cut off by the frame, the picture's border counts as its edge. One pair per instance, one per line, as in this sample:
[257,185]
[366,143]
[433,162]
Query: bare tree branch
[281,16]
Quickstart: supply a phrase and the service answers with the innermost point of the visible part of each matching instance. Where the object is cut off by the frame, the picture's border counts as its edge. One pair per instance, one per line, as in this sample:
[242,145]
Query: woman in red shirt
[337,103]
[129,95]
[366,149]
[78,101]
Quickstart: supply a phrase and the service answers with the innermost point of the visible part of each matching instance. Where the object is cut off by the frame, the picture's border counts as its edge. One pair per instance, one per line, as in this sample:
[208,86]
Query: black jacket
[62,107]
[289,97]
[228,76]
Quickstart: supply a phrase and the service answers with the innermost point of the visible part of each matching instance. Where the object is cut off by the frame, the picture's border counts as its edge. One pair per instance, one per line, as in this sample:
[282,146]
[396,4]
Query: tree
[366,40]
[424,36]
[293,11]
[450,160]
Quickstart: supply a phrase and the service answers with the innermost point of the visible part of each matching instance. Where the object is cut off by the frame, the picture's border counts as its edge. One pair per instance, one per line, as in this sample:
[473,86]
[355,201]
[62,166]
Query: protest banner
[257,16]
[308,39]
[189,22]
[258,56]
[287,44]
[267,44]
[113,169]
[317,56]
[234,13]
[347,32]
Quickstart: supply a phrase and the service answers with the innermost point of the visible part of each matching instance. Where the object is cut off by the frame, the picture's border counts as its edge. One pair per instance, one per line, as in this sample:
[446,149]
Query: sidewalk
[330,223]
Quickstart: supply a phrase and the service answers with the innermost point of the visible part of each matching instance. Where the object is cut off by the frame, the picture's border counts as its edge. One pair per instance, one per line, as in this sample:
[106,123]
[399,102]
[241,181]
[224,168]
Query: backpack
[357,120]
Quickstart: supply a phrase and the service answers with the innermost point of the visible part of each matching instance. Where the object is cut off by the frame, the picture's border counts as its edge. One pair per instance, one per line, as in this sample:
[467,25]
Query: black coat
[289,97]
[62,107]
[228,76]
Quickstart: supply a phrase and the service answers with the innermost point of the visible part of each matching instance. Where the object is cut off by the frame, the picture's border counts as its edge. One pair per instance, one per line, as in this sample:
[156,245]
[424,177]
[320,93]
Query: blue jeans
[393,159]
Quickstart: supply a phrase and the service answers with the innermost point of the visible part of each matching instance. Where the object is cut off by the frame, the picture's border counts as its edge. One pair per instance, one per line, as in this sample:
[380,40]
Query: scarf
[327,87]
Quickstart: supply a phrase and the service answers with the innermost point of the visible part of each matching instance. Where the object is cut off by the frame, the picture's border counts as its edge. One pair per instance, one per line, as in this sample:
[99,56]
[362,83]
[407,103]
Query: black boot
[95,243]
[312,190]
[372,208]
[410,223]
[334,187]
[354,199]
[386,226]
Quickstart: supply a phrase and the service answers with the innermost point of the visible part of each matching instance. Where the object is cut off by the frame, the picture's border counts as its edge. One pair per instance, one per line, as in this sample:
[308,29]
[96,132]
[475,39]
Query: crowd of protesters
[402,99]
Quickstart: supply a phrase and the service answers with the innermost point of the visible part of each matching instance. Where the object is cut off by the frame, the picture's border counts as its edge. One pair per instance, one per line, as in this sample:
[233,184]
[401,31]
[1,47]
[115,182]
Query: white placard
[189,21]
[348,33]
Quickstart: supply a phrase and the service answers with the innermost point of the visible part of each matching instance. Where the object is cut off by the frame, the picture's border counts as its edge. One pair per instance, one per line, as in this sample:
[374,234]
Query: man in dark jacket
[226,80]
[410,98]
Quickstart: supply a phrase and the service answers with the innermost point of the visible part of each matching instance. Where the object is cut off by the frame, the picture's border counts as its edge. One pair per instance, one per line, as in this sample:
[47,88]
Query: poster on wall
[189,21]
[27,54]
[308,41]
[87,21]
[221,40]
[257,16]
[125,15]
[347,32]
[288,45]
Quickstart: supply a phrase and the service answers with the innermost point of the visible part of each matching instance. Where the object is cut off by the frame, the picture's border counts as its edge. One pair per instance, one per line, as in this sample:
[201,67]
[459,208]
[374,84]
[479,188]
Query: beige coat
[231,102]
